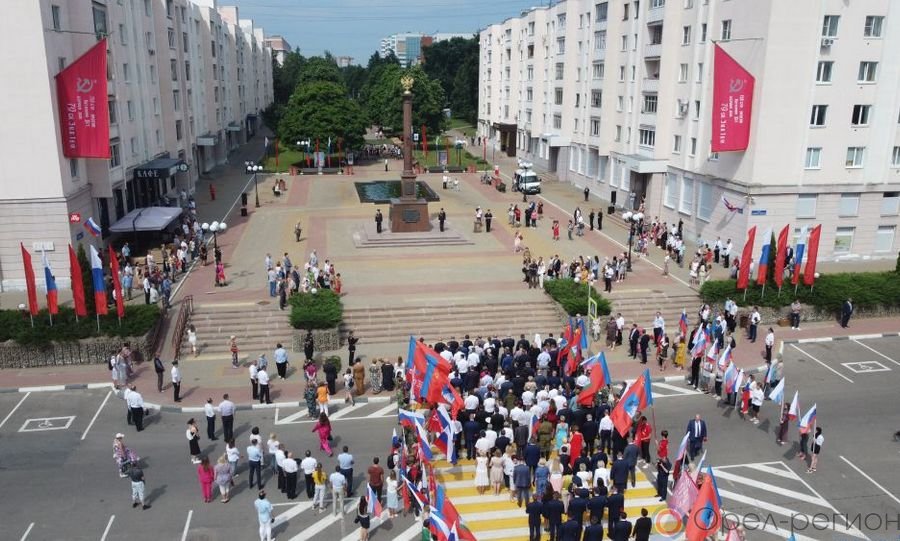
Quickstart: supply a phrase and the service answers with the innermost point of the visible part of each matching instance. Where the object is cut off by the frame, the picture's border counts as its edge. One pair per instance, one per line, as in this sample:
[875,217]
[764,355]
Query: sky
[355,27]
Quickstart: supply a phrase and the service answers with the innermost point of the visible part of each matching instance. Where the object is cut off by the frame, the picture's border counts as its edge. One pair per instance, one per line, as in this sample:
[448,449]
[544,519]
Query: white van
[527,181]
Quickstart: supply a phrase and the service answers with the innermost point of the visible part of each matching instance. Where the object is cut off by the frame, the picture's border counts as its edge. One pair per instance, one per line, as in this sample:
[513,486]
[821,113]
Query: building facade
[617,96]
[408,47]
[280,48]
[186,83]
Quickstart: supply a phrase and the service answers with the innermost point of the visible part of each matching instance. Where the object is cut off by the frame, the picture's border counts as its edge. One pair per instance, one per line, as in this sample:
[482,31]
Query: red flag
[29,281]
[809,275]
[706,513]
[781,254]
[732,103]
[77,284]
[598,381]
[117,284]
[744,270]
[83,106]
[573,359]
[636,398]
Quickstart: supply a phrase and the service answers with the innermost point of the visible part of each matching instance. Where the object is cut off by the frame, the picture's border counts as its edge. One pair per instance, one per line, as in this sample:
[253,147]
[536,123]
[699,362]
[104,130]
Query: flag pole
[51,316]
[98,323]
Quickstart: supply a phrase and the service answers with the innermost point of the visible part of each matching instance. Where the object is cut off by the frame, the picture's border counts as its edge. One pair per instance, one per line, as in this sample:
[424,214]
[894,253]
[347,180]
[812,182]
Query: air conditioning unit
[827,42]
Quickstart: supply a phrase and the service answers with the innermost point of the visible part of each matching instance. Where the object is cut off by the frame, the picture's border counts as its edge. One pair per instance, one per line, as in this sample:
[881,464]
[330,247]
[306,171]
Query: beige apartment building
[187,80]
[616,95]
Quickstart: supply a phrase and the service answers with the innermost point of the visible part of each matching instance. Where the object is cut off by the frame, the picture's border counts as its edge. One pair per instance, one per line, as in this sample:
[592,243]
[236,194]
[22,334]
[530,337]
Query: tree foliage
[454,64]
[319,68]
[321,110]
[384,99]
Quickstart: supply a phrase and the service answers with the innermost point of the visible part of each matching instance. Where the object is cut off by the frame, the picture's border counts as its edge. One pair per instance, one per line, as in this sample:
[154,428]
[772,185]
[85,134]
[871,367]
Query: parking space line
[740,479]
[27,531]
[94,418]
[187,525]
[873,481]
[10,414]
[876,352]
[108,526]
[787,473]
[820,362]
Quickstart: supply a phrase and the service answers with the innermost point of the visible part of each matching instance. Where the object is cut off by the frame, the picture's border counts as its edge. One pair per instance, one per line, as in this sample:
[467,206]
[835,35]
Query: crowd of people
[285,279]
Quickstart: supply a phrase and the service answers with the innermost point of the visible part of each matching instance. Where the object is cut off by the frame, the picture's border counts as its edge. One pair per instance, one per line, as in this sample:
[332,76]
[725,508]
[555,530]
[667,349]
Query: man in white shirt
[289,465]
[136,403]
[527,399]
[483,445]
[176,381]
[226,410]
[462,364]
[490,403]
[770,342]
[471,402]
[210,411]
[620,326]
[606,428]
[147,288]
[263,378]
[308,465]
[516,413]
[338,485]
[543,361]
[659,327]
[726,253]
[254,381]
[446,355]
[473,358]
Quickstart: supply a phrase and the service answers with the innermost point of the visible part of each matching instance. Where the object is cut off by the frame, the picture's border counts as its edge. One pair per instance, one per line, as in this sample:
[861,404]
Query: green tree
[87,280]
[384,99]
[454,64]
[319,68]
[286,76]
[319,110]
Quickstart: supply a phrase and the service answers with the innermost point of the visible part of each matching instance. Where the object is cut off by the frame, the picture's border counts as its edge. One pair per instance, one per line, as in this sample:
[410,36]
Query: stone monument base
[409,216]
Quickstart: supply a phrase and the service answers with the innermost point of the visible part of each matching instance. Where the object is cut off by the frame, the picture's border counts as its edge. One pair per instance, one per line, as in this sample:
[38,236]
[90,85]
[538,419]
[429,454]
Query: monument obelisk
[409,213]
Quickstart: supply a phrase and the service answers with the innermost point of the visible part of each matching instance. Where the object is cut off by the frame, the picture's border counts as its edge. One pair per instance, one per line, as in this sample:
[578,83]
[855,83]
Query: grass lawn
[432,160]
[463,126]
[288,157]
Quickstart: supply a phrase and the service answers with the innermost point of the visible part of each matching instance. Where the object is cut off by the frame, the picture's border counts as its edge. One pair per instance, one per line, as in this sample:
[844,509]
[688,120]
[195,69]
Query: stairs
[257,326]
[641,305]
[497,518]
[396,324]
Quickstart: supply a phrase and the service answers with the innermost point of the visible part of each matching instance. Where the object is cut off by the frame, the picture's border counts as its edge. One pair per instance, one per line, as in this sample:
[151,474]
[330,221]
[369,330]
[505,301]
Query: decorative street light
[635,220]
[215,228]
[253,169]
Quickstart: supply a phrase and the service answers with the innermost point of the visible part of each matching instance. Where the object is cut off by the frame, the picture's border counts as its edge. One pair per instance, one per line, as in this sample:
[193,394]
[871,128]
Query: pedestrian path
[498,518]
[338,411]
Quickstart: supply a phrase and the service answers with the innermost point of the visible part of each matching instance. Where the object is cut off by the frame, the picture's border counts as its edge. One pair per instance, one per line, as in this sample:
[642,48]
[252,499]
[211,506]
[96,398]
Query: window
[73,168]
[99,13]
[115,154]
[625,12]
[813,158]
[696,109]
[855,157]
[129,106]
[134,146]
[676,144]
[682,73]
[176,99]
[618,133]
[726,30]
[558,96]
[561,46]
[184,41]
[171,39]
[830,26]
[598,70]
[688,4]
[860,115]
[657,4]
[693,146]
[155,105]
[61,63]
[530,73]
[633,73]
[620,103]
[895,157]
[817,118]
[624,43]
[126,72]
[529,95]
[600,41]
[178,130]
[823,71]
[713,156]
[647,137]
[686,204]
[686,35]
[557,122]
[113,116]
[849,205]
[843,240]
[621,74]
[148,10]
[703,33]
[806,205]
[650,102]
[699,72]
[152,74]
[158,138]
[596,98]
[873,26]
[212,45]
[890,204]
[559,71]
[705,202]
[55,15]
[577,100]
[602,10]
[595,127]
[187,70]
[671,195]
[561,21]
[173,67]
[884,238]
[867,72]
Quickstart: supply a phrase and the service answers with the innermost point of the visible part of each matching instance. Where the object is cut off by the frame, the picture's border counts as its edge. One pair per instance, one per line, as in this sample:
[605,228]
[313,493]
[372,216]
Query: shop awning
[146,219]
[159,168]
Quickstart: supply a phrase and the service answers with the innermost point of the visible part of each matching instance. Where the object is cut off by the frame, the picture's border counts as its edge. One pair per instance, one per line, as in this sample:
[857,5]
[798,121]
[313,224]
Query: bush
[138,320]
[572,297]
[867,289]
[319,310]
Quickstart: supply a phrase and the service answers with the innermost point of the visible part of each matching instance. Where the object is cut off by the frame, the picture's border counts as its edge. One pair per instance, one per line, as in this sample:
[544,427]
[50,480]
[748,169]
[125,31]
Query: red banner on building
[83,107]
[732,104]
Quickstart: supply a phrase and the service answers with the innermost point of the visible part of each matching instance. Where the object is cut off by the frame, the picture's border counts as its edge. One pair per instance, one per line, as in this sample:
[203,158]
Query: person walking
[176,382]
[160,370]
[818,441]
[319,481]
[226,410]
[281,361]
[697,435]
[193,436]
[323,429]
[264,514]
[210,411]
[136,474]
[223,478]
[206,476]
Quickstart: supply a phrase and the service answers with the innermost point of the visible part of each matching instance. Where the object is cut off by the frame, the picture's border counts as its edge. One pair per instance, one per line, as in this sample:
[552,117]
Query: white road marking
[390,408]
[290,419]
[344,411]
[679,390]
[108,526]
[311,532]
[10,414]
[43,388]
[94,418]
[788,474]
[187,525]
[506,533]
[876,352]
[740,479]
[413,532]
[291,513]
[27,531]
[855,337]
[46,423]
[865,367]
[768,526]
[873,481]
[374,523]
[820,362]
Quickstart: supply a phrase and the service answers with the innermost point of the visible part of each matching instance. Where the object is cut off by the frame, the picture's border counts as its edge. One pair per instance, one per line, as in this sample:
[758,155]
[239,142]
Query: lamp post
[253,169]
[633,219]
[215,228]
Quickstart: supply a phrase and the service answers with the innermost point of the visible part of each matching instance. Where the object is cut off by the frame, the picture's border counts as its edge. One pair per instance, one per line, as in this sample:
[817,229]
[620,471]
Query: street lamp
[634,219]
[253,169]
[214,228]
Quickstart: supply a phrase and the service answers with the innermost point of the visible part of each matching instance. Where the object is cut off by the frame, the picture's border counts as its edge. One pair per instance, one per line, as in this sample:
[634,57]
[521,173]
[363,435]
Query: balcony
[650,85]
[653,50]
[655,14]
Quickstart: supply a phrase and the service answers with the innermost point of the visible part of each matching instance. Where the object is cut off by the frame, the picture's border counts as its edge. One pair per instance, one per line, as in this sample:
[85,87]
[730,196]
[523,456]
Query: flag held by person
[743,279]
[683,323]
[444,441]
[30,284]
[706,513]
[420,497]
[430,371]
[375,508]
[700,340]
[636,398]
[77,284]
[777,394]
[809,418]
[50,282]
[680,456]
[600,378]
[449,512]
[794,410]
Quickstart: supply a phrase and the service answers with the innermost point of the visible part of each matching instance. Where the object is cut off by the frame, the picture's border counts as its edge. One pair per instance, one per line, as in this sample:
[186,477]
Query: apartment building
[407,47]
[617,95]
[280,48]
[186,83]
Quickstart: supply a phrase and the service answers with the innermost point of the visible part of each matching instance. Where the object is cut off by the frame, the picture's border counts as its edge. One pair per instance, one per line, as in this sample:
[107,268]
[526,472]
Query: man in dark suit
[618,473]
[630,456]
[534,510]
[615,503]
[621,531]
[553,511]
[470,431]
[633,338]
[578,505]
[597,504]
[594,532]
[570,531]
[532,456]
[696,430]
[589,429]
[846,312]
[643,527]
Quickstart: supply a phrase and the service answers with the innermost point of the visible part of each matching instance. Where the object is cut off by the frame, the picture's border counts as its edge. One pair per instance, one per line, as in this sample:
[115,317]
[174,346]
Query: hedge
[319,310]
[572,296]
[867,289]
[138,320]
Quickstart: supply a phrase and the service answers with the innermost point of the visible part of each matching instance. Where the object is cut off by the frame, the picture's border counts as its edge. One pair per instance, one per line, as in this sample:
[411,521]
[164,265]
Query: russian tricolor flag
[99,285]
[700,339]
[777,394]
[799,252]
[52,293]
[763,267]
[533,426]
[808,418]
[92,227]
[375,508]
[683,323]
[794,410]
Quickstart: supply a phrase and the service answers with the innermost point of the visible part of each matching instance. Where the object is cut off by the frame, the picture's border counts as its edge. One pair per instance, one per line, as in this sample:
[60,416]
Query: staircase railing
[184,313]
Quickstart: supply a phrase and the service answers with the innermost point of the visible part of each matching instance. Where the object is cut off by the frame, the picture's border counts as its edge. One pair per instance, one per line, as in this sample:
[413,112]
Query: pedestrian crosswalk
[337,411]
[678,388]
[498,518]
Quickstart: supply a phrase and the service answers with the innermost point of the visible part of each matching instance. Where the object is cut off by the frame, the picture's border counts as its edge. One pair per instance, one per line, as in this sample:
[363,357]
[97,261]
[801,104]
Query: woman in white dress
[482,480]
[192,339]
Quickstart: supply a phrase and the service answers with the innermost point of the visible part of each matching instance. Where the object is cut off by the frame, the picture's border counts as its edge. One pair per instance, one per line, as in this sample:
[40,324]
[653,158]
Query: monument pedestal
[409,216]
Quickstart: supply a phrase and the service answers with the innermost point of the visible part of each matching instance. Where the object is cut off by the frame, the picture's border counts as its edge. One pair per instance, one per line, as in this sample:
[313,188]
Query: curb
[839,338]
[674,379]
